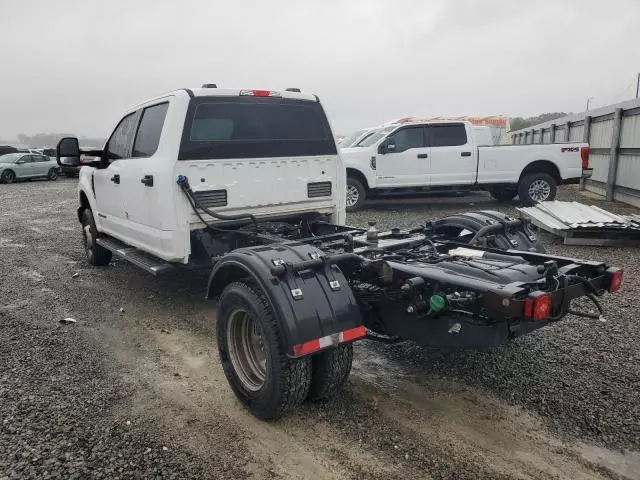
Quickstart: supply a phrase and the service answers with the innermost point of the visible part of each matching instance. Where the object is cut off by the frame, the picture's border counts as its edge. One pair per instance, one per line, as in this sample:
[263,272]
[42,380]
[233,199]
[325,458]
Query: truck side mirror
[388,146]
[69,148]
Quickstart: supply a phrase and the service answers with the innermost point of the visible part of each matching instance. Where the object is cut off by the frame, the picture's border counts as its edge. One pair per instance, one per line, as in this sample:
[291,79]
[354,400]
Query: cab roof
[230,92]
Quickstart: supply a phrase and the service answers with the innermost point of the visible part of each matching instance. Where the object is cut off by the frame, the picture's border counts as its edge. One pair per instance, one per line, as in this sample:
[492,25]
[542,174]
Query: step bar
[149,263]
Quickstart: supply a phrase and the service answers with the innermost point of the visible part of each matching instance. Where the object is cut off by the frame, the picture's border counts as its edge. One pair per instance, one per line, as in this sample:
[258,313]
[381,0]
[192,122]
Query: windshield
[351,139]
[374,137]
[249,127]
[10,157]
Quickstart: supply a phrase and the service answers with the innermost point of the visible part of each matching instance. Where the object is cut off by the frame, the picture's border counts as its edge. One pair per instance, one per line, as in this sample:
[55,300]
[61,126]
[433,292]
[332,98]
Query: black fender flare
[309,304]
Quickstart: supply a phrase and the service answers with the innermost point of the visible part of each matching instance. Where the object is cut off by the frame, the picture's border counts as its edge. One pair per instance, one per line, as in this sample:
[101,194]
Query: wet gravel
[58,390]
[63,402]
[581,375]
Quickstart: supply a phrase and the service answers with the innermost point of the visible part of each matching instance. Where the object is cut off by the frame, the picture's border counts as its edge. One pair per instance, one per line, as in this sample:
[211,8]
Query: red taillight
[261,93]
[616,279]
[326,341]
[584,154]
[538,306]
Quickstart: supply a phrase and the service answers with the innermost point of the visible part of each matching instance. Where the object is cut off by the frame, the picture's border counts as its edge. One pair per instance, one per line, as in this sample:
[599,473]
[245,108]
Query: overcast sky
[75,66]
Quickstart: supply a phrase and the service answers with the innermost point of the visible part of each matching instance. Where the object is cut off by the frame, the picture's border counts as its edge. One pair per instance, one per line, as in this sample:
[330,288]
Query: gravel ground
[139,393]
[582,375]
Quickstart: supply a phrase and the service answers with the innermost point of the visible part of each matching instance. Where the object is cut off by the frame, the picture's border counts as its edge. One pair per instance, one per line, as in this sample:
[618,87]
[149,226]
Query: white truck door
[148,180]
[453,154]
[406,162]
[107,182]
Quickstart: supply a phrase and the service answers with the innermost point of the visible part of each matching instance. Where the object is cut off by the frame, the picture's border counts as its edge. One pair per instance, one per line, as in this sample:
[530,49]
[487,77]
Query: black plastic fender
[309,303]
[489,228]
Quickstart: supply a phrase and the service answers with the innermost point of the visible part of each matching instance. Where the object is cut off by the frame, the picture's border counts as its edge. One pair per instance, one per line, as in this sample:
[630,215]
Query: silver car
[15,166]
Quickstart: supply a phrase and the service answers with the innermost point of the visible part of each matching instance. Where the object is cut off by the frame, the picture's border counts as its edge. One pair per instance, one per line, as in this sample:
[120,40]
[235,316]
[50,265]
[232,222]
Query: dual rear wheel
[263,377]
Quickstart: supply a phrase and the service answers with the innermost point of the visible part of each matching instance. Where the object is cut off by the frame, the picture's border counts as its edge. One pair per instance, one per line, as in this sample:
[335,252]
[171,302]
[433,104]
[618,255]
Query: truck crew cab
[249,184]
[418,156]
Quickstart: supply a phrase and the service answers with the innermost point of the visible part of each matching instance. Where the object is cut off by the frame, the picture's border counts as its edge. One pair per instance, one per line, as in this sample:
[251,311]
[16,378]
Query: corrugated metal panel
[597,112]
[536,136]
[561,135]
[596,187]
[628,174]
[576,133]
[600,165]
[630,133]
[601,134]
[573,215]
[546,137]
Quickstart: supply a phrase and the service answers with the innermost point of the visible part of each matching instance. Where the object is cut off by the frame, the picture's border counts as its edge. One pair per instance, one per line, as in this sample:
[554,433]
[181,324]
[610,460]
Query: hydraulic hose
[183,182]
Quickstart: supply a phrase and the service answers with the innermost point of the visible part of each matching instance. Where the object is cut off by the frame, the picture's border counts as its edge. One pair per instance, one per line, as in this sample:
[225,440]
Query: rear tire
[504,194]
[53,174]
[355,195]
[331,369]
[96,255]
[262,376]
[8,176]
[537,187]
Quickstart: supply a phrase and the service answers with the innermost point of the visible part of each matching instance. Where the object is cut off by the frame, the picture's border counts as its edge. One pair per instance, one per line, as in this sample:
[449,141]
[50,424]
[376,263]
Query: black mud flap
[310,303]
[490,229]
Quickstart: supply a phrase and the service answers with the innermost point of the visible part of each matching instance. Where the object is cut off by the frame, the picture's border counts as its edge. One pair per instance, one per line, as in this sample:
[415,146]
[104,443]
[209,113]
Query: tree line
[518,123]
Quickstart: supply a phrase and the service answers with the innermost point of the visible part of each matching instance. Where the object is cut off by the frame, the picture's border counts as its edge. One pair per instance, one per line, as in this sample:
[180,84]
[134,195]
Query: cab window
[119,144]
[408,138]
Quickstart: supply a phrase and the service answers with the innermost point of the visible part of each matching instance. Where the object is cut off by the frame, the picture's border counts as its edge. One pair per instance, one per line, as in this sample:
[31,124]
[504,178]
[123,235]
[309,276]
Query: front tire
[331,369]
[52,175]
[96,255]
[8,176]
[262,376]
[537,187]
[356,194]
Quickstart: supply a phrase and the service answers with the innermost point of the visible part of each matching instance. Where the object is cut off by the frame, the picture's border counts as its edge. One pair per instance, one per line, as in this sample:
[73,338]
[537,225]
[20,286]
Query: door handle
[147,180]
[116,178]
[423,155]
[465,154]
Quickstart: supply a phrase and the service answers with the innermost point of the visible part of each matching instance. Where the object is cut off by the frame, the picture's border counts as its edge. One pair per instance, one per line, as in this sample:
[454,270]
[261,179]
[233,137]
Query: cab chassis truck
[295,289]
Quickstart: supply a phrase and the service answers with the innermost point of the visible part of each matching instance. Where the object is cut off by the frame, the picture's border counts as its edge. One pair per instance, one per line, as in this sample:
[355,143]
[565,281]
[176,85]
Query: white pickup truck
[445,155]
[249,184]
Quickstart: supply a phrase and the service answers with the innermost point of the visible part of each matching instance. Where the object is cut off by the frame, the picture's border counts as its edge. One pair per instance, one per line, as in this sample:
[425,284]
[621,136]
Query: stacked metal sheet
[581,224]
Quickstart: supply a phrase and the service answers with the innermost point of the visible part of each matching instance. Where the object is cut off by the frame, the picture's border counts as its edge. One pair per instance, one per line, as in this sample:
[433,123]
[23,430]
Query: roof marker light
[259,93]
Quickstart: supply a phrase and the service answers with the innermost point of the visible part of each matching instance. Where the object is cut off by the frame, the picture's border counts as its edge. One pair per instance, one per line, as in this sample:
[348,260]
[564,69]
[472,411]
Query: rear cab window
[149,130]
[249,127]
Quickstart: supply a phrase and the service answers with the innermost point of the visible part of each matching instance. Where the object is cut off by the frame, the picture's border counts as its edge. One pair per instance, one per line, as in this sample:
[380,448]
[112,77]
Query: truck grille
[212,198]
[319,189]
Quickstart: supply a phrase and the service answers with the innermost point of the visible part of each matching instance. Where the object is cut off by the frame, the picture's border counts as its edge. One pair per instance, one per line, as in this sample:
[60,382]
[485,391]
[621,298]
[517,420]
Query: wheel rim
[53,175]
[353,195]
[88,240]
[247,350]
[539,190]
[9,177]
